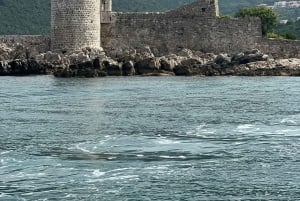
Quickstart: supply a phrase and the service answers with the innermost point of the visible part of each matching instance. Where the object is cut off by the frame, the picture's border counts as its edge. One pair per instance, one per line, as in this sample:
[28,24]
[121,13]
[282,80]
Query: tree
[267,15]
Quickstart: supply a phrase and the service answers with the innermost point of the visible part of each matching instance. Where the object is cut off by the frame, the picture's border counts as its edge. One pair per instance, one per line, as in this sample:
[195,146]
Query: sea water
[150,138]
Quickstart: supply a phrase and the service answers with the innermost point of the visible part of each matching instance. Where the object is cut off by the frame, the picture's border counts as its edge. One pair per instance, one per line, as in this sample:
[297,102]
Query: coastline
[88,62]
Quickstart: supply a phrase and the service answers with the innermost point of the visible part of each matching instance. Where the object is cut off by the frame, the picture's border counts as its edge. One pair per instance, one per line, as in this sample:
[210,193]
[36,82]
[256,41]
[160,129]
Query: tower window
[203,9]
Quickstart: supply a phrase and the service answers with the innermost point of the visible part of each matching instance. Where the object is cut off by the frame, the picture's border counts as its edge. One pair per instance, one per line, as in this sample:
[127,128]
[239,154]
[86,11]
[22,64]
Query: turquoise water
[150,138]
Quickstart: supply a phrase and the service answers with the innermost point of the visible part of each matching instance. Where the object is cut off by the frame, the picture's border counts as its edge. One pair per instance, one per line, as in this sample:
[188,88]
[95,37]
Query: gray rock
[146,66]
[248,57]
[112,68]
[181,70]
[223,60]
[128,68]
[185,53]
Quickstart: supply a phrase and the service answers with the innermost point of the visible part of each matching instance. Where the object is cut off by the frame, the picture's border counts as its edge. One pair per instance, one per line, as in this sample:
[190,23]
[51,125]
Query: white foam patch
[167,141]
[79,147]
[4,152]
[172,157]
[98,173]
[288,121]
[245,126]
[291,120]
[202,131]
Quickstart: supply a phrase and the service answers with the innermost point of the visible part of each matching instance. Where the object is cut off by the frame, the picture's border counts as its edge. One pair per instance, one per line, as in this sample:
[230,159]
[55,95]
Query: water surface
[150,138]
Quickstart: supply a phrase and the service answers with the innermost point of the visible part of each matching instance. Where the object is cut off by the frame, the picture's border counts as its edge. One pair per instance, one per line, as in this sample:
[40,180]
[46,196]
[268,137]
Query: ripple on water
[225,138]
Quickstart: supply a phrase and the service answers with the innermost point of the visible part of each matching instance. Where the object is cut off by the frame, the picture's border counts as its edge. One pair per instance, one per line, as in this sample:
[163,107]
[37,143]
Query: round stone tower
[75,24]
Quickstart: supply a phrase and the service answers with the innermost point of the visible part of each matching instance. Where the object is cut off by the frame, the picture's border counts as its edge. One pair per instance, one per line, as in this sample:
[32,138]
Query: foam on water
[245,126]
[98,173]
[172,157]
[292,120]
[167,141]
[4,152]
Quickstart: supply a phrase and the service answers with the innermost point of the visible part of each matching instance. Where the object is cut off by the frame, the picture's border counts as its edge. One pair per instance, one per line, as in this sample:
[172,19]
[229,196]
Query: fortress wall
[34,43]
[193,26]
[232,35]
[280,48]
[188,26]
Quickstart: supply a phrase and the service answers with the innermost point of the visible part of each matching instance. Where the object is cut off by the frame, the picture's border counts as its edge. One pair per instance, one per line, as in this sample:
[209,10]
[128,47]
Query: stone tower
[106,9]
[217,7]
[106,5]
[75,24]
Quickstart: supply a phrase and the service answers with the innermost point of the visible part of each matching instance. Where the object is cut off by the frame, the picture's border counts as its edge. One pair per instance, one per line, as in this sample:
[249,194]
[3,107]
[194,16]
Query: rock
[128,68]
[78,57]
[193,63]
[249,56]
[112,68]
[146,66]
[35,68]
[53,58]
[223,60]
[85,65]
[97,64]
[167,64]
[144,53]
[3,68]
[188,67]
[181,70]
[18,67]
[40,57]
[185,53]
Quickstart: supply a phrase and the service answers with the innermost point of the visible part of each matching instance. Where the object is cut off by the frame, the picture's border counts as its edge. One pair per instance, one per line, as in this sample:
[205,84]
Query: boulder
[3,68]
[112,68]
[167,64]
[223,60]
[128,68]
[249,56]
[85,65]
[35,68]
[185,53]
[53,58]
[146,66]
[181,70]
[97,64]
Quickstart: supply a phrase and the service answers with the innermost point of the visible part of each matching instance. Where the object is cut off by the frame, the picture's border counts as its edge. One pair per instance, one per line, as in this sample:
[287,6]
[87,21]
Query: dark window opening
[203,9]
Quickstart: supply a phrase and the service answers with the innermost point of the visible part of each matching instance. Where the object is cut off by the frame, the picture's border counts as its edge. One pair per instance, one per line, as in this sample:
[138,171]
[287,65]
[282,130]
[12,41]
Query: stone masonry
[75,24]
[196,26]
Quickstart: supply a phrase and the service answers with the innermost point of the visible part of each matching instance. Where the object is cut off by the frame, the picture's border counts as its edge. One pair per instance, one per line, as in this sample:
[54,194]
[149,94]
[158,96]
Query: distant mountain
[33,16]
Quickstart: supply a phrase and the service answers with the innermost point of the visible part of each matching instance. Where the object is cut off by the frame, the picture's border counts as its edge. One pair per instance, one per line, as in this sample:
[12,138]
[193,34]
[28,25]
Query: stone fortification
[280,48]
[195,26]
[165,32]
[106,9]
[75,24]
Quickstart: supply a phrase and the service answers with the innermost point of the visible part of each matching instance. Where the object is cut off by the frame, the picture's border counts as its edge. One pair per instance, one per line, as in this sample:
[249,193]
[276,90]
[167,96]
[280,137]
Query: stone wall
[34,43]
[193,26]
[75,24]
[280,48]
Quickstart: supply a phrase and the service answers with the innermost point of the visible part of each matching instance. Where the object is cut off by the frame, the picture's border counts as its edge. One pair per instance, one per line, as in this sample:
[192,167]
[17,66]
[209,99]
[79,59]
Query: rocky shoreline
[19,61]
